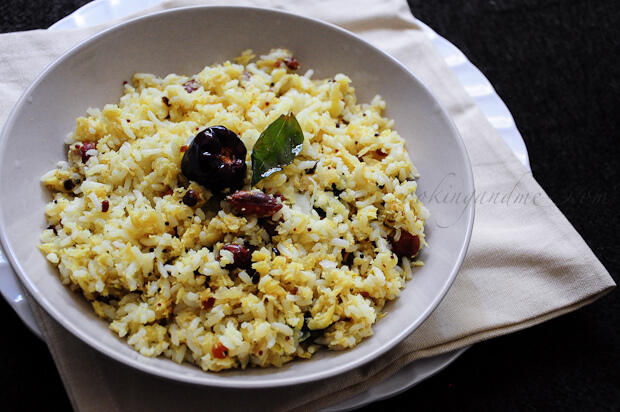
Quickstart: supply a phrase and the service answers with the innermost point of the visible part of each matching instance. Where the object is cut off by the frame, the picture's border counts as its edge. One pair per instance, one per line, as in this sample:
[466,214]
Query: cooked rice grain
[149,264]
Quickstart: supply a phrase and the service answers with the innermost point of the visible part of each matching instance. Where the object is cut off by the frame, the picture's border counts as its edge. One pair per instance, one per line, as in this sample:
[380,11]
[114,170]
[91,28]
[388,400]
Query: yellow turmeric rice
[155,268]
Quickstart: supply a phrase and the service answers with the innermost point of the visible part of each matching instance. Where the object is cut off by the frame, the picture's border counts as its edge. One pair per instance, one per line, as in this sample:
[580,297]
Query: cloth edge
[477,337]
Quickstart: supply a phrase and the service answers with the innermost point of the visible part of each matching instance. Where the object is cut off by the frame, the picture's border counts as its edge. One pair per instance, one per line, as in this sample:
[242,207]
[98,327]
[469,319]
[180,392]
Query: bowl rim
[209,378]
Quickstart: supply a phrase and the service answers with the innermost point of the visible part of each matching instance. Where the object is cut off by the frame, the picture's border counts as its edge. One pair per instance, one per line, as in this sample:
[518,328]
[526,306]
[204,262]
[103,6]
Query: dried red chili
[191,85]
[84,148]
[407,244]
[219,351]
[208,304]
[254,203]
[242,257]
[291,63]
[215,158]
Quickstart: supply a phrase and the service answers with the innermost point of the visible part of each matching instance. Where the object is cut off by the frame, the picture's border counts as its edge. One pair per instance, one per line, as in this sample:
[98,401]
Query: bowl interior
[184,41]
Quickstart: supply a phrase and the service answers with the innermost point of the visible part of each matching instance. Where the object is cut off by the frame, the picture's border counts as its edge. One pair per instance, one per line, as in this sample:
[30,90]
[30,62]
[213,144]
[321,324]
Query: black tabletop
[554,63]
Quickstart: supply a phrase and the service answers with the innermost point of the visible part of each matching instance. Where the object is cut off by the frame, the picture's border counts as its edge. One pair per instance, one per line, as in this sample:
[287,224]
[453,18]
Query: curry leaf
[276,147]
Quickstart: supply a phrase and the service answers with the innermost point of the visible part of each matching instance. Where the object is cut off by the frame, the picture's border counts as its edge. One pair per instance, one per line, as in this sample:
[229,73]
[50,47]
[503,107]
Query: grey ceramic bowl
[184,41]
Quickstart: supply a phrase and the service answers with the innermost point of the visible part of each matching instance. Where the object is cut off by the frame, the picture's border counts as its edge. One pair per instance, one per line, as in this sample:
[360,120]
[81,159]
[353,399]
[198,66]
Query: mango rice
[153,267]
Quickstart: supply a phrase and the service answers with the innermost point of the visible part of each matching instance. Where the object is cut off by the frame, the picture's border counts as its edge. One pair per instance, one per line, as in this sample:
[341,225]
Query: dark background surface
[555,65]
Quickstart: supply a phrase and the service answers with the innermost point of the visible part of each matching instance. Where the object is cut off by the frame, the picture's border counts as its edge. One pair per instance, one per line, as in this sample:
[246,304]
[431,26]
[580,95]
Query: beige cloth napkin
[526,263]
